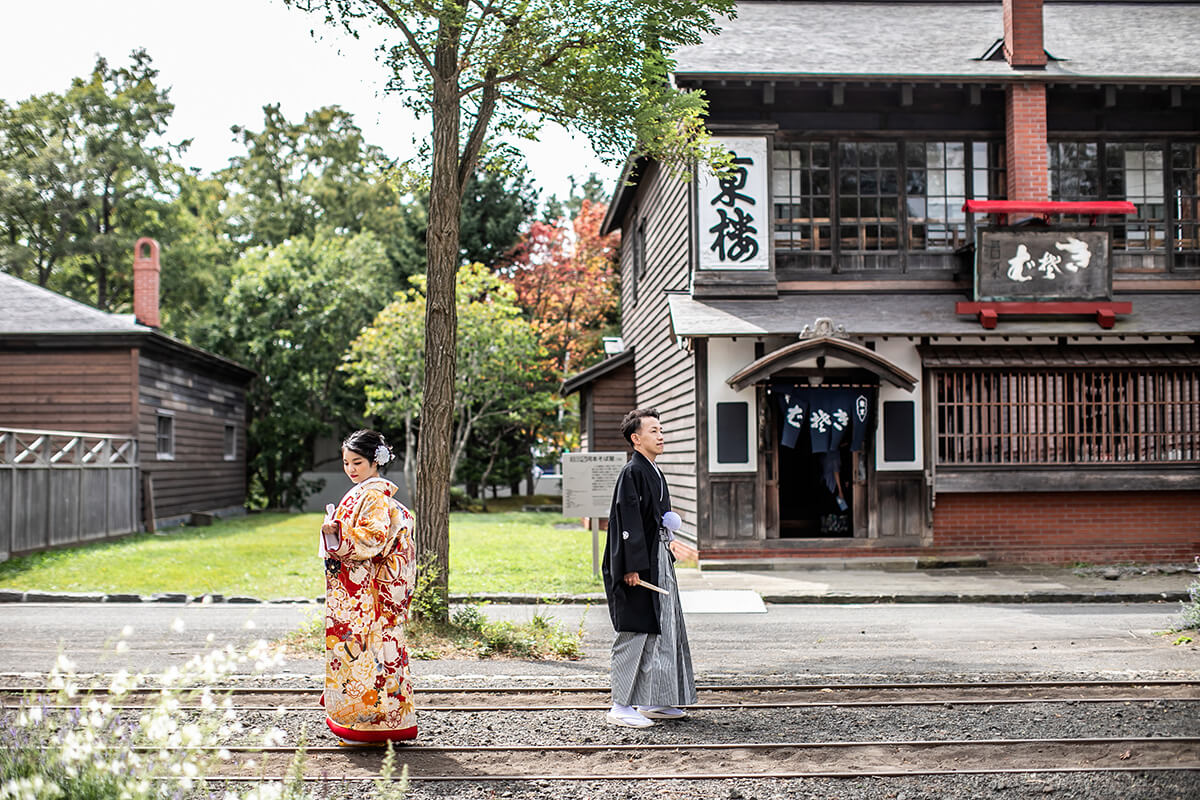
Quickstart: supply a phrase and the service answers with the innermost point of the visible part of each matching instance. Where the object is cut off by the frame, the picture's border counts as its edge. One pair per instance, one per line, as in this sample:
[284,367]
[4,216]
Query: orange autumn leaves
[566,280]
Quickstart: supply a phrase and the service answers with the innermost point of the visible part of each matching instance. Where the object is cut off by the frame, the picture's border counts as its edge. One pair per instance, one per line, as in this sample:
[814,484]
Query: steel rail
[403,748]
[710,687]
[625,753]
[999,701]
[706,776]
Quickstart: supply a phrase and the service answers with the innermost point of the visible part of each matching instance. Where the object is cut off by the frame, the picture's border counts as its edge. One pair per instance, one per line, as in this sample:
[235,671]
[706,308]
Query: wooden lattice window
[1067,416]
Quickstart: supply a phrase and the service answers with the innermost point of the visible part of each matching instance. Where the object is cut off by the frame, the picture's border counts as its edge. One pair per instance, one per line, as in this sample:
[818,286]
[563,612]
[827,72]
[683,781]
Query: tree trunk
[432,502]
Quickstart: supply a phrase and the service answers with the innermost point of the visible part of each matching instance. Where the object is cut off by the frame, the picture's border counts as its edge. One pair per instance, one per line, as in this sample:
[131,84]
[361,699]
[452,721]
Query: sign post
[588,482]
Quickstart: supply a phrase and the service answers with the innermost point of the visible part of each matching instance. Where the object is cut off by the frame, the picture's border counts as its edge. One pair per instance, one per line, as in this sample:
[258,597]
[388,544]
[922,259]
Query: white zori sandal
[661,712]
[627,717]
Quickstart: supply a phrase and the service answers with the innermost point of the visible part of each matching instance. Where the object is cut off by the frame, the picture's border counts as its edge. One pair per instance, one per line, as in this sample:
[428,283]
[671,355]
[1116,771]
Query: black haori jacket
[639,502]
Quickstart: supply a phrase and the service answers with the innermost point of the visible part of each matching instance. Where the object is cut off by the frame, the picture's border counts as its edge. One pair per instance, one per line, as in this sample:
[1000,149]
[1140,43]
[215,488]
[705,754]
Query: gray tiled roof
[28,308]
[1096,40]
[866,314]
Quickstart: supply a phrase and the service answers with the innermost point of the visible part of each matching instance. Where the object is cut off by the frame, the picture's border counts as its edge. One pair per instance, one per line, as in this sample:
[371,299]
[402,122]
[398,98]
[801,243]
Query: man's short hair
[633,421]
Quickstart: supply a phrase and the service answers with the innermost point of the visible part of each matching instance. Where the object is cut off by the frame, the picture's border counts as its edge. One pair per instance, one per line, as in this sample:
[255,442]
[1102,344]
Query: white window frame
[160,454]
[230,441]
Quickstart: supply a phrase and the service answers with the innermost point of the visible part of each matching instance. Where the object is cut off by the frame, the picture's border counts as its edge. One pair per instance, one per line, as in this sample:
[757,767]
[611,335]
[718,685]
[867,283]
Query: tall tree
[290,315]
[495,209]
[502,387]
[81,180]
[298,178]
[566,280]
[478,67]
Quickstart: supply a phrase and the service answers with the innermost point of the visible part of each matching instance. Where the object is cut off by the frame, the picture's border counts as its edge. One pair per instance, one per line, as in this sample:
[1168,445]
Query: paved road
[821,640]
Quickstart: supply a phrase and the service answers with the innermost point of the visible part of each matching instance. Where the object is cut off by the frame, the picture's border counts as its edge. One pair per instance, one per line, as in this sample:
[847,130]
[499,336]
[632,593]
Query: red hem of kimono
[372,735]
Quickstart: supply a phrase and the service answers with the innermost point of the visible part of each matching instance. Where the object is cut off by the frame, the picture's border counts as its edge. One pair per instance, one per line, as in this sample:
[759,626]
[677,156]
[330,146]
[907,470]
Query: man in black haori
[651,662]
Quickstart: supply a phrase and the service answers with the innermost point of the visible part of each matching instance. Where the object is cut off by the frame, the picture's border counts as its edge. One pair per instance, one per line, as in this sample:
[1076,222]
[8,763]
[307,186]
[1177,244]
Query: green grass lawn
[275,555]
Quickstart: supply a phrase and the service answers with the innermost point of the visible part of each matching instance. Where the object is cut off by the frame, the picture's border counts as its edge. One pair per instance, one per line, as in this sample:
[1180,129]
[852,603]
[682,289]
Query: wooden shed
[606,394]
[68,367]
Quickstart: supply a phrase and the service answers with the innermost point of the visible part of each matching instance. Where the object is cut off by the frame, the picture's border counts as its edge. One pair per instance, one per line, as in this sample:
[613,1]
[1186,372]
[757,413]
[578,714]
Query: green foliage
[319,174]
[290,314]
[601,67]
[428,603]
[461,501]
[542,635]
[592,189]
[1190,610]
[80,181]
[467,632]
[503,379]
[387,786]
[495,209]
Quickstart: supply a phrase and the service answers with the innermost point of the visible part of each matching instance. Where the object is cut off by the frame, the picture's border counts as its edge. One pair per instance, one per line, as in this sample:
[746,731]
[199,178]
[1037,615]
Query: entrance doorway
[820,478]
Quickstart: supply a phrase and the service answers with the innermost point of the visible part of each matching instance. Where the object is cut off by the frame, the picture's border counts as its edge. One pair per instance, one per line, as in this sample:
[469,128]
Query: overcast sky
[223,60]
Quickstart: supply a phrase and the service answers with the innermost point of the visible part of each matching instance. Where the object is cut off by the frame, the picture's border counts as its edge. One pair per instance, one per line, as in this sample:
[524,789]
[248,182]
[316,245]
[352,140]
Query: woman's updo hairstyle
[370,445]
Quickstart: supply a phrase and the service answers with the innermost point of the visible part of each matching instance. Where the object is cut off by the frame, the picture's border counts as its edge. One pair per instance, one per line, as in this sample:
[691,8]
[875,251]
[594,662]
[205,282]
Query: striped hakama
[656,669]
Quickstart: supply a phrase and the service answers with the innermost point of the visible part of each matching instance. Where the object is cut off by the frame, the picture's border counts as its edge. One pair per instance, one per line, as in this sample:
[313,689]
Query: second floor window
[879,197]
[1161,179]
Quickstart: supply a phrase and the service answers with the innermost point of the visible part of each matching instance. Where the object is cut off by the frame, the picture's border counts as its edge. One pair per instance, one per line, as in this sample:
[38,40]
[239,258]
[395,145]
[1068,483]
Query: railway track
[716,696]
[581,762]
[643,754]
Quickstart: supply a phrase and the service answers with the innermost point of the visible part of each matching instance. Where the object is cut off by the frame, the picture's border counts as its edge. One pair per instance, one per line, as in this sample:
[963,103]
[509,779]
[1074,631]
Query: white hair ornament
[382,455]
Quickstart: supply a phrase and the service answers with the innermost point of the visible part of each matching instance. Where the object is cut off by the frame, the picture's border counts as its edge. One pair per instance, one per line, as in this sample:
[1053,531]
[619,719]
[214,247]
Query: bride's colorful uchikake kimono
[369,581]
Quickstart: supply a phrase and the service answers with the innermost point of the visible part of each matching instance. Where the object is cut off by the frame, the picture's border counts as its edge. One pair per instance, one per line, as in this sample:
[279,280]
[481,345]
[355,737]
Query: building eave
[595,372]
[623,194]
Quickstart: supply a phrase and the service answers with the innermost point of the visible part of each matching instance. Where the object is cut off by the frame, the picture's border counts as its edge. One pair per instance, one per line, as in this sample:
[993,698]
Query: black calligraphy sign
[736,238]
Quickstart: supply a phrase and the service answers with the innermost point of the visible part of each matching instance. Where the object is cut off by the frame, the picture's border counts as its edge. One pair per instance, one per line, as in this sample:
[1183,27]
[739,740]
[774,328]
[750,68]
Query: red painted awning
[1049,207]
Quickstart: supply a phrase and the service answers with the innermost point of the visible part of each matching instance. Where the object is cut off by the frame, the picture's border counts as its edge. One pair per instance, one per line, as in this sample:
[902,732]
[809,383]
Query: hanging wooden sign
[1043,264]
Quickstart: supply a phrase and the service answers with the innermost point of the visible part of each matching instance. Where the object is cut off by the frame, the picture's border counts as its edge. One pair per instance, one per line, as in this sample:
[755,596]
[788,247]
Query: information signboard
[588,482]
[1023,264]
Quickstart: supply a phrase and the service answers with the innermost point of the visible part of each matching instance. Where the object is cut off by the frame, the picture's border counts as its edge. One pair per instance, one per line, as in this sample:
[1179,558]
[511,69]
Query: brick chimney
[145,282]
[1025,103]
[1024,45]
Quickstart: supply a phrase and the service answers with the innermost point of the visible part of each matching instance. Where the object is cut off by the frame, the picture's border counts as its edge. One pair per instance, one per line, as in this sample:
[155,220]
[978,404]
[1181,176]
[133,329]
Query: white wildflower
[127,631]
[178,625]
[274,737]
[121,683]
[249,625]
[122,646]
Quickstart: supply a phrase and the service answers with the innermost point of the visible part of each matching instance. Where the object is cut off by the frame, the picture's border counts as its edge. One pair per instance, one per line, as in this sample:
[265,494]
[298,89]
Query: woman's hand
[633,579]
[331,528]
[677,549]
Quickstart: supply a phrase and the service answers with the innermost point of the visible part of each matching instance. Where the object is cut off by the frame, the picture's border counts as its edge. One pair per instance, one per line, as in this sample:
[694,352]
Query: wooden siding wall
[664,373]
[68,390]
[899,505]
[199,478]
[611,398]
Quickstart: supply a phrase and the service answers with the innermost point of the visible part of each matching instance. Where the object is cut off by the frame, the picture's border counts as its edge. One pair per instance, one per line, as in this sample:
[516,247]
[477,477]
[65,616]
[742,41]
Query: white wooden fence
[60,488]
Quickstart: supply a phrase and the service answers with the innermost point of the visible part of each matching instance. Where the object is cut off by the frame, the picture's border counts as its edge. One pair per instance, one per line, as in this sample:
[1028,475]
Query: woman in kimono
[370,572]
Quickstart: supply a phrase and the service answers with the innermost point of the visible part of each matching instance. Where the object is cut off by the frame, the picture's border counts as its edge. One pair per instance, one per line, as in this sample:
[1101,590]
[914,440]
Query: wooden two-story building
[948,302]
